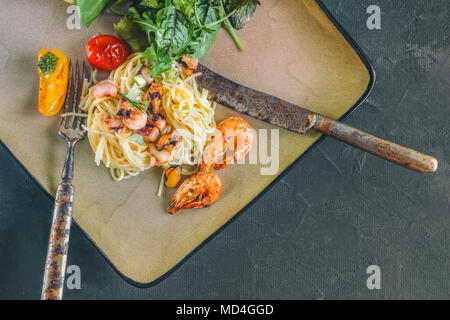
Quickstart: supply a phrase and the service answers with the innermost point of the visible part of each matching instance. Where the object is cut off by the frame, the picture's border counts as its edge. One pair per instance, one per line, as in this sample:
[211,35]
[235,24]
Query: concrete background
[339,210]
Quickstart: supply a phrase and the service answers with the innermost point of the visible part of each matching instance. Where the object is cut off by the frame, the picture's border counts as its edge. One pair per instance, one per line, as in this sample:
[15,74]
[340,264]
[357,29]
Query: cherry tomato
[106,52]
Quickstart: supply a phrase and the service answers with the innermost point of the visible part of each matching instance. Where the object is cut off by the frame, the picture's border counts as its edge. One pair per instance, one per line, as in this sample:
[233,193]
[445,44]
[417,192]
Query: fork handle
[58,243]
[388,150]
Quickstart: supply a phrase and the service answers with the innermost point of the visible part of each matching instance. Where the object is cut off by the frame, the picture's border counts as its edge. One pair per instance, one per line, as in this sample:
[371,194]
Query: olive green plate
[293,50]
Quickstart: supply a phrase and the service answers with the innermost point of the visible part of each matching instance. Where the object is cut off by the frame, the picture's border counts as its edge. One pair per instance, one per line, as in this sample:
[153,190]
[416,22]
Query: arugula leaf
[152,3]
[159,64]
[170,33]
[244,10]
[90,9]
[236,4]
[154,56]
[205,13]
[150,55]
[132,34]
[122,4]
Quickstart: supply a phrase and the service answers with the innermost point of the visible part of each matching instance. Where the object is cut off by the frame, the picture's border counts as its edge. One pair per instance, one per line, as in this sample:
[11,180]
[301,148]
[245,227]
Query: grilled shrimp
[161,156]
[114,124]
[237,141]
[132,118]
[157,120]
[214,150]
[104,90]
[170,141]
[149,132]
[154,96]
[189,65]
[198,191]
[154,162]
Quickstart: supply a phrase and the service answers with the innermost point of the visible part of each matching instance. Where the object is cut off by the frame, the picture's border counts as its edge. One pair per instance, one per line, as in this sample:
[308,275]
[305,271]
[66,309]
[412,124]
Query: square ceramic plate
[293,50]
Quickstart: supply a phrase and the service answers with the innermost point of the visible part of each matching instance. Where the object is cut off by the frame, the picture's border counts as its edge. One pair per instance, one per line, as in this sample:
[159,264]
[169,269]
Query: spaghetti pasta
[185,107]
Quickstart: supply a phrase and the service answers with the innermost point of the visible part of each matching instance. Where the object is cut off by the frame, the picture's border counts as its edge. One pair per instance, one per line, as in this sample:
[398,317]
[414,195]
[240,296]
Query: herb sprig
[140,106]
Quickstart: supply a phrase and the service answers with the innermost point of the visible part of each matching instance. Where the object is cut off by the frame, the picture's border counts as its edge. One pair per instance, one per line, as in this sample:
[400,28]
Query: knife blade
[256,104]
[289,116]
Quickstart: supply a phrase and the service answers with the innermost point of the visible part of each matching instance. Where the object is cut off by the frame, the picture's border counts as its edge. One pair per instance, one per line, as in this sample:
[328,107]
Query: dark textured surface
[315,232]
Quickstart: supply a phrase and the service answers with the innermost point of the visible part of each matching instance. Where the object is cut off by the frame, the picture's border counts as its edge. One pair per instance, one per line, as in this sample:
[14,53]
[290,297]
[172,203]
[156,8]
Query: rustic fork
[71,129]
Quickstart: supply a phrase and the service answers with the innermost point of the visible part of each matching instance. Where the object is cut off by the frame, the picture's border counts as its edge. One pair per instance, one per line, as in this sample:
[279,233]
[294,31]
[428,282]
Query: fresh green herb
[185,6]
[90,9]
[205,14]
[141,106]
[169,32]
[152,3]
[227,26]
[242,11]
[174,32]
[132,34]
[119,3]
[167,29]
[47,62]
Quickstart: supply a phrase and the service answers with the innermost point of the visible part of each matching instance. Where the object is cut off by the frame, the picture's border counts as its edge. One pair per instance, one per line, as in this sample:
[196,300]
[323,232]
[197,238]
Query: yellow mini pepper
[53,68]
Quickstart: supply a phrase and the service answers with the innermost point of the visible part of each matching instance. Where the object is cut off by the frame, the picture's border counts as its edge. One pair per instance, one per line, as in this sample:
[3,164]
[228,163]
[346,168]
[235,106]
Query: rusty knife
[286,115]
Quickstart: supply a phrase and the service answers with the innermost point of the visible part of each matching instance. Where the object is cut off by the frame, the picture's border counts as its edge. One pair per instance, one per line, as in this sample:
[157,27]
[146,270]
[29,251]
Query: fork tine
[77,98]
[68,94]
[75,80]
[70,119]
[91,76]
[70,128]
[81,78]
[89,84]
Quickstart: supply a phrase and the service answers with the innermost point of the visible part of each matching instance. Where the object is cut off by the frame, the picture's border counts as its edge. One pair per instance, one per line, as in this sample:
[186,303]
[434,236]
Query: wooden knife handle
[375,145]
